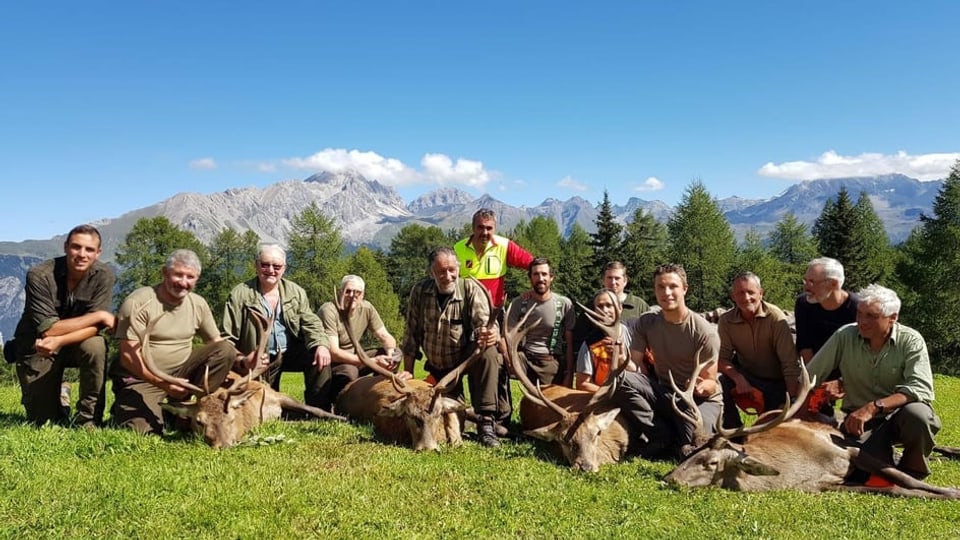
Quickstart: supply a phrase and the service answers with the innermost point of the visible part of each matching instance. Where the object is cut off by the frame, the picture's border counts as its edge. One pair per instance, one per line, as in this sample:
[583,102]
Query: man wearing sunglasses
[297,341]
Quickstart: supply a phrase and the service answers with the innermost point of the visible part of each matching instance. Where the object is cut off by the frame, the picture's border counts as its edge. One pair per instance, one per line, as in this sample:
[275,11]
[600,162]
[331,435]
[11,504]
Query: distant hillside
[371,213]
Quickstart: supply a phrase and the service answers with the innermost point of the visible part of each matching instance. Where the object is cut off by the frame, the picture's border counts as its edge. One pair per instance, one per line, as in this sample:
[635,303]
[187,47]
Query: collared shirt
[444,331]
[48,300]
[902,365]
[300,323]
[764,345]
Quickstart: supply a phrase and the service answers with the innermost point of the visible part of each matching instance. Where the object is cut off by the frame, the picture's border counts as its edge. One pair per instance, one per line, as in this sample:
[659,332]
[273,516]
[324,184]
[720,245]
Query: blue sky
[106,107]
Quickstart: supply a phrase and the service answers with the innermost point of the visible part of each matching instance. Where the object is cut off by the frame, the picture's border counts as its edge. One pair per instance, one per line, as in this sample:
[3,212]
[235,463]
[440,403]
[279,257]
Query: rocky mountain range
[371,213]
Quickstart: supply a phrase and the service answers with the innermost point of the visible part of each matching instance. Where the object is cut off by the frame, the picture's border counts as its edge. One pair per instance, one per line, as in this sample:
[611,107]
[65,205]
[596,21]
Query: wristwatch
[879,405]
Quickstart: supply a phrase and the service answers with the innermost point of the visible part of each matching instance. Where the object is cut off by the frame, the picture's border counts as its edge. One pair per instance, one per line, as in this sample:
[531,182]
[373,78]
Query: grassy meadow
[333,480]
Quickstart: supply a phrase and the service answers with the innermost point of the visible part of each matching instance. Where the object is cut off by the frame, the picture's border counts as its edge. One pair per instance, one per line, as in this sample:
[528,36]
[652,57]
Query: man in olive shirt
[757,352]
[363,316]
[887,382]
[68,302]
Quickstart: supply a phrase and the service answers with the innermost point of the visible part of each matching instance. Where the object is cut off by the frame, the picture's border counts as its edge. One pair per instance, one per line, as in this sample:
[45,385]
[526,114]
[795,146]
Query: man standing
[678,339]
[296,337]
[447,318]
[363,316]
[887,381]
[169,315]
[485,256]
[549,342]
[68,302]
[757,353]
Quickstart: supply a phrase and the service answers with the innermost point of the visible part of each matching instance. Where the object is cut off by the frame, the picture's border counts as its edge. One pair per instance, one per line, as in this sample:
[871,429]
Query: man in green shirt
[887,384]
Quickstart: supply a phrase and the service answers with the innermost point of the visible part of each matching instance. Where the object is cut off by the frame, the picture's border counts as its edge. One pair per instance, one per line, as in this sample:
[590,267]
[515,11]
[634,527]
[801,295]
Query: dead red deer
[411,412]
[585,425]
[791,454]
[226,414]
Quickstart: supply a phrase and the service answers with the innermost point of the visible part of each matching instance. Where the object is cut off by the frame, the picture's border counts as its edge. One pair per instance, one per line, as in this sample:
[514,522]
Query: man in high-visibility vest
[485,255]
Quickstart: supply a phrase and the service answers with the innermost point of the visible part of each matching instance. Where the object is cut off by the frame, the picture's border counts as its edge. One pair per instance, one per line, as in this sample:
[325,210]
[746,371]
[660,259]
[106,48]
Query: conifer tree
[644,247]
[607,241]
[839,235]
[929,268]
[406,260]
[574,274]
[314,254]
[232,257]
[702,241]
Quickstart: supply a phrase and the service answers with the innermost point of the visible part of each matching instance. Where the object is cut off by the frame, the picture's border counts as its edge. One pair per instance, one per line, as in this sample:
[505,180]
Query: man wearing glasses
[297,338]
[363,316]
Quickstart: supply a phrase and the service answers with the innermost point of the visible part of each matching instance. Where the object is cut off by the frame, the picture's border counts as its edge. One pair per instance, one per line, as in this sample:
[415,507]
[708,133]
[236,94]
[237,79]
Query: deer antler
[344,310]
[787,412]
[613,329]
[534,393]
[152,367]
[265,326]
[692,415]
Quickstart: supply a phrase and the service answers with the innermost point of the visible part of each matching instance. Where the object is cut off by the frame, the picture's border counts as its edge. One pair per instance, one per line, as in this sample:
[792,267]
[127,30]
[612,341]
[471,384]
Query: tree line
[922,269]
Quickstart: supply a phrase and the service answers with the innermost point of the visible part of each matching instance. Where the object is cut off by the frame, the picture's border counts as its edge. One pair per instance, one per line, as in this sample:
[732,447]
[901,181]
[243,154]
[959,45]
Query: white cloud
[833,165]
[203,164]
[650,184]
[569,182]
[435,168]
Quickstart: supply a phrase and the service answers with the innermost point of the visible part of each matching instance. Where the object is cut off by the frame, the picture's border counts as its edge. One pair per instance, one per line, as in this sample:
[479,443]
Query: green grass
[330,480]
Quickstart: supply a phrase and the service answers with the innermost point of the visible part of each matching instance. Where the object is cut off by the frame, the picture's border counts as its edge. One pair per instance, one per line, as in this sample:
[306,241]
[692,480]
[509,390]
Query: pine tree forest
[923,269]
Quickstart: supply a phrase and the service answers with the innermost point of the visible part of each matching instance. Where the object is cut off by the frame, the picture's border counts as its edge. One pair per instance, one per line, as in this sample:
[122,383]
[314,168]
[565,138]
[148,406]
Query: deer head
[578,433]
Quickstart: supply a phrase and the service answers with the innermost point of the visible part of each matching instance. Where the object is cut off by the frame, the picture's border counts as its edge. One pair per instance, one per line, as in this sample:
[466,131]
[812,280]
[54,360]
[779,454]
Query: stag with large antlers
[783,453]
[584,424]
[684,348]
[450,319]
[298,333]
[222,417]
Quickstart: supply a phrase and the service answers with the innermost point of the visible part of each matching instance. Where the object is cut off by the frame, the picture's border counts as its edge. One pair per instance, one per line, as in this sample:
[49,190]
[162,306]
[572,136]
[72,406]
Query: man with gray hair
[887,384]
[296,338]
[363,316]
[172,314]
[823,307]
[758,361]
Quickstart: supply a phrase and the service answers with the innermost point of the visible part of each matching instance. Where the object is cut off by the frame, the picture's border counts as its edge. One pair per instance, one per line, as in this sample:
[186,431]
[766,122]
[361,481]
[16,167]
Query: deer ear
[183,410]
[544,433]
[237,402]
[755,467]
[605,419]
[449,405]
[394,408]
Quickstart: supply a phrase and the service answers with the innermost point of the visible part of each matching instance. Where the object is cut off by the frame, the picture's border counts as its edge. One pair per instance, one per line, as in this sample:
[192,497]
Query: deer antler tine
[534,393]
[398,384]
[449,380]
[789,409]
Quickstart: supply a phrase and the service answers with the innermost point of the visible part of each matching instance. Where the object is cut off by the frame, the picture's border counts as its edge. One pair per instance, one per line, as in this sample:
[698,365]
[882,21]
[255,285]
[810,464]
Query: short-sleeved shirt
[48,300]
[171,339]
[815,325]
[538,338]
[902,365]
[362,318]
[764,345]
[676,347]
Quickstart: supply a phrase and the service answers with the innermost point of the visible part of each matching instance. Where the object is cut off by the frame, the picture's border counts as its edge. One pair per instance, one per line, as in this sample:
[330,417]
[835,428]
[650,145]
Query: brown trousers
[137,403]
[483,380]
[40,380]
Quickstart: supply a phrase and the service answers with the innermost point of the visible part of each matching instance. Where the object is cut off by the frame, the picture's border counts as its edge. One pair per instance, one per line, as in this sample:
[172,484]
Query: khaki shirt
[764,346]
[362,318]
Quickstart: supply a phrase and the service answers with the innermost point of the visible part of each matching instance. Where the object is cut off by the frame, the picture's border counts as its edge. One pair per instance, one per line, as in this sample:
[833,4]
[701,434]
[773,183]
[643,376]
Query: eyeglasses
[267,266]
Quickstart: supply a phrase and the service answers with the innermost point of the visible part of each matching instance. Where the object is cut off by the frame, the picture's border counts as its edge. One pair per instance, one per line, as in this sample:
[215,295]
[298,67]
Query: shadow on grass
[12,419]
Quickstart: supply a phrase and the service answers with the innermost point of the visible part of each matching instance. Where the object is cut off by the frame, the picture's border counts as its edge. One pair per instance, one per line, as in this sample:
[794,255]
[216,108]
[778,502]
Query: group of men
[749,361]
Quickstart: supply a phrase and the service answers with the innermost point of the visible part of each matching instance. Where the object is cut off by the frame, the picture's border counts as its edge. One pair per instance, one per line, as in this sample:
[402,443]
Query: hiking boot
[487,430]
